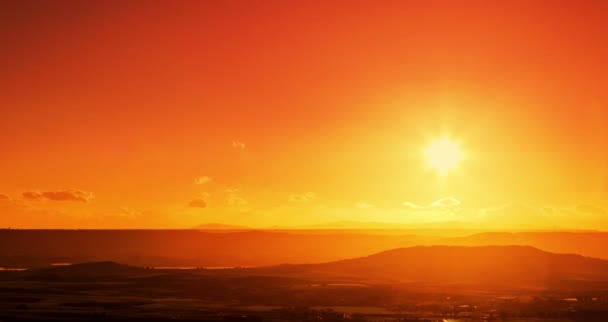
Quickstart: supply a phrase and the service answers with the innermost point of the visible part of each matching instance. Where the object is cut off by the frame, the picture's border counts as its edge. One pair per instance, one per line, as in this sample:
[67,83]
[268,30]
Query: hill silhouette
[92,270]
[585,243]
[39,248]
[220,226]
[482,264]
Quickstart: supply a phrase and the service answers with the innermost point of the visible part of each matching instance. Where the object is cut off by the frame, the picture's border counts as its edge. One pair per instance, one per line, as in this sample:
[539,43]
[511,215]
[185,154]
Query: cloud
[234,198]
[63,195]
[130,212]
[443,203]
[202,180]
[6,200]
[32,195]
[591,210]
[363,205]
[302,197]
[198,203]
[238,145]
[24,214]
[448,202]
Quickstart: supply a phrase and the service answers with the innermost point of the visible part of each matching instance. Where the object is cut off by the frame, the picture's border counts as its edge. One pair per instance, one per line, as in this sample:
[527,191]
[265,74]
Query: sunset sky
[170,114]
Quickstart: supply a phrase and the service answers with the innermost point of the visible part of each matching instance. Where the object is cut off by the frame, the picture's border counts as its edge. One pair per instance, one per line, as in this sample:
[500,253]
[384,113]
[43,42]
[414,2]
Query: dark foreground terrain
[455,284]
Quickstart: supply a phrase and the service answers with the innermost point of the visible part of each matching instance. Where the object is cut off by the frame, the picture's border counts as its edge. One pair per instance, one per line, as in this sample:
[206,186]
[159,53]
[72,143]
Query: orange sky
[170,114]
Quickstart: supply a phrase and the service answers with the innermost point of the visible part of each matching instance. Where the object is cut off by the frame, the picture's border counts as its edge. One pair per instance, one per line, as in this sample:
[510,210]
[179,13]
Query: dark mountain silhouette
[455,264]
[371,225]
[39,248]
[512,266]
[591,244]
[219,226]
[93,270]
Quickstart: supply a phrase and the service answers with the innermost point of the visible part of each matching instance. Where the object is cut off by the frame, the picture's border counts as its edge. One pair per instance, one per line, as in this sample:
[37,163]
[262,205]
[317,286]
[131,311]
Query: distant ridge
[255,247]
[479,264]
[92,270]
[220,226]
[362,225]
[588,243]
[347,225]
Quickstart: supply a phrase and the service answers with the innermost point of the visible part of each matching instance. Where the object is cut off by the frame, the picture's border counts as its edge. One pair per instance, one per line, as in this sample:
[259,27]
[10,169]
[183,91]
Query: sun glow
[443,154]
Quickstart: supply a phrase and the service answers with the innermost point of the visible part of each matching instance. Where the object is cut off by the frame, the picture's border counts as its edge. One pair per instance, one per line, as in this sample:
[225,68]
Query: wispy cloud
[302,197]
[202,180]
[448,202]
[197,203]
[234,198]
[130,212]
[363,205]
[443,203]
[62,195]
[238,145]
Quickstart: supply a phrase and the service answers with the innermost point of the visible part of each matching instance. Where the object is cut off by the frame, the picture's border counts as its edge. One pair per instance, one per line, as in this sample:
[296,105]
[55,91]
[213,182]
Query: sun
[443,154]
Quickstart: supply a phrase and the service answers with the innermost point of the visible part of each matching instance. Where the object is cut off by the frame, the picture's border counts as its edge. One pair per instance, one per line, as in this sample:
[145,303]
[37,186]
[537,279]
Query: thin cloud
[363,205]
[198,203]
[448,202]
[443,203]
[62,195]
[238,145]
[130,212]
[32,195]
[234,198]
[302,197]
[4,197]
[202,180]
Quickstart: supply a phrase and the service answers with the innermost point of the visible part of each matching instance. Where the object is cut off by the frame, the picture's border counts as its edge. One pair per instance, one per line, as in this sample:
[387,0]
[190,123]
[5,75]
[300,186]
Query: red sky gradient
[300,113]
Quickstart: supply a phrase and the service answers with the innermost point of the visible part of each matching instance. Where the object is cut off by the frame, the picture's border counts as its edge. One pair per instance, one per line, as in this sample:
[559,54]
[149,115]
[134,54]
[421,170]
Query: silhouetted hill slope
[219,226]
[370,225]
[94,270]
[39,248]
[585,243]
[486,264]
